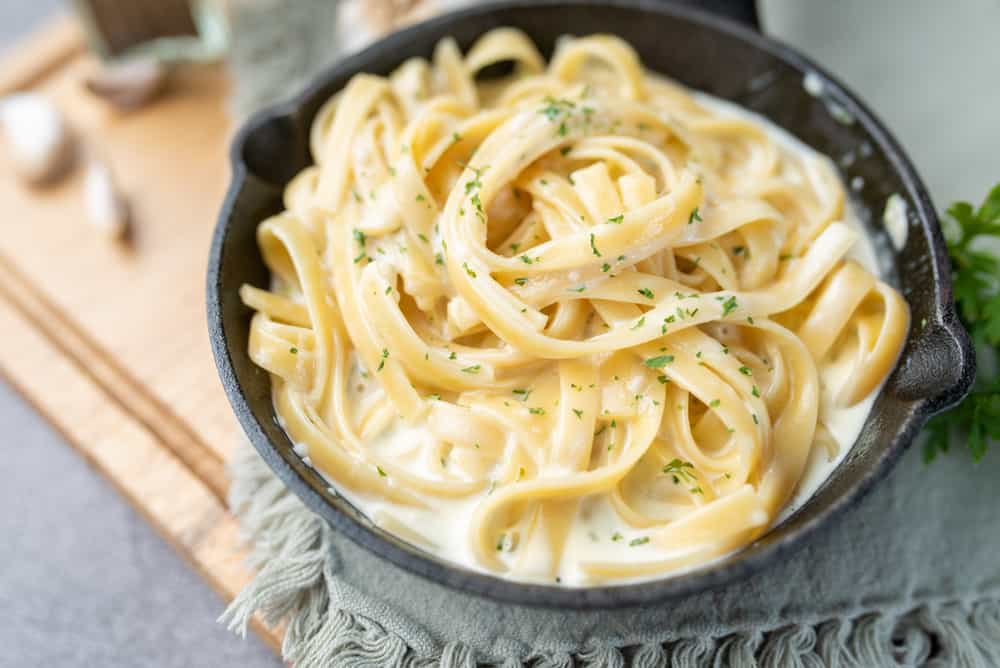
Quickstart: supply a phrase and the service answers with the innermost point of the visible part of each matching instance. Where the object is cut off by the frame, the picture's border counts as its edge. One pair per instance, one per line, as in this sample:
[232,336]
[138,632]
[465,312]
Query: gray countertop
[85,582]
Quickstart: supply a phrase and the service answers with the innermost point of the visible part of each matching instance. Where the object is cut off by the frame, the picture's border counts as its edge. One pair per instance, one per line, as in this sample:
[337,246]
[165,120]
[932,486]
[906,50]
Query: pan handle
[939,366]
[741,11]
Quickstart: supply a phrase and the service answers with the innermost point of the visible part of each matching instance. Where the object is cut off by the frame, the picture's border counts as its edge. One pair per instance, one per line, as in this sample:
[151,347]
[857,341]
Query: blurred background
[85,580]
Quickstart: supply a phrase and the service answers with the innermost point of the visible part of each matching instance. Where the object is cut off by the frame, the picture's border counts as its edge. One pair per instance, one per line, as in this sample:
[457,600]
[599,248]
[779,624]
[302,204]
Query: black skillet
[720,53]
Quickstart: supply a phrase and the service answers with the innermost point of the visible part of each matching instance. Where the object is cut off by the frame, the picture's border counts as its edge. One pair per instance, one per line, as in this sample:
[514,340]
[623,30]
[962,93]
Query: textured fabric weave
[910,577]
[914,569]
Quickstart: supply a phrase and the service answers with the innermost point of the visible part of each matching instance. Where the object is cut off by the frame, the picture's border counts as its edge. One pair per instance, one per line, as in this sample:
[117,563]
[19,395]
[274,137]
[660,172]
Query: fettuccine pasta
[568,321]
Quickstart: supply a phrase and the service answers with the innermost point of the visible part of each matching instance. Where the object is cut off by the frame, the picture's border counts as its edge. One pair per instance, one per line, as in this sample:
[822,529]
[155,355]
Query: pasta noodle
[572,322]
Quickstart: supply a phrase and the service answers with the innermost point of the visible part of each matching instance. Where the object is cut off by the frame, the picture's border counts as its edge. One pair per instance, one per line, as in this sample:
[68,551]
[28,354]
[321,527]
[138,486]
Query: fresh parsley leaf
[680,471]
[976,288]
[659,362]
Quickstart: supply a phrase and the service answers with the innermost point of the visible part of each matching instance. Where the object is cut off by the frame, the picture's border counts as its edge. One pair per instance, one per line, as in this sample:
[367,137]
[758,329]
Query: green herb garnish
[593,246]
[680,470]
[976,287]
[659,362]
[729,306]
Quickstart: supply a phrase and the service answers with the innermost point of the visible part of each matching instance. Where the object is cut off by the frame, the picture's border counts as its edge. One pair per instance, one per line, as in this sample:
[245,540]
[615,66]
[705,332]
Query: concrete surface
[84,581]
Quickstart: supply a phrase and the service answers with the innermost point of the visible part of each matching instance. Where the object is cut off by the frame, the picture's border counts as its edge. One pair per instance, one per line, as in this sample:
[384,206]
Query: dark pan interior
[704,53]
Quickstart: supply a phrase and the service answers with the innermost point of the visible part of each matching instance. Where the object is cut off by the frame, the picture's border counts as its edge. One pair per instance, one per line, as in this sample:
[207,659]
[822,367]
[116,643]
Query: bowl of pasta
[579,303]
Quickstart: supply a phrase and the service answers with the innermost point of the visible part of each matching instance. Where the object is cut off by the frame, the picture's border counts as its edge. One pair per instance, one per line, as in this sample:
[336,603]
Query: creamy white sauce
[597,531]
[895,221]
[813,84]
[844,424]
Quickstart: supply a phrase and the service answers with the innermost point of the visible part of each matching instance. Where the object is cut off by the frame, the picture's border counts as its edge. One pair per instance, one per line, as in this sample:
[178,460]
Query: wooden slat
[109,341]
[172,498]
[31,59]
[114,381]
[143,305]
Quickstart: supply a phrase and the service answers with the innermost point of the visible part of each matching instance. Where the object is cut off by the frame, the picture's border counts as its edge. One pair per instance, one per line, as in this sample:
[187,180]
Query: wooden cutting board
[109,340]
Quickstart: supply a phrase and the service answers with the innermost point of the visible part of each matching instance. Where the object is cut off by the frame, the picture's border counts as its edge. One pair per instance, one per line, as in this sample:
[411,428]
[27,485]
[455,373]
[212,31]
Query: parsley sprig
[976,284]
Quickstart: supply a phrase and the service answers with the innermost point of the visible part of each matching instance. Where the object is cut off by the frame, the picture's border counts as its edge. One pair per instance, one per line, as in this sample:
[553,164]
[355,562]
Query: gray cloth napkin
[910,577]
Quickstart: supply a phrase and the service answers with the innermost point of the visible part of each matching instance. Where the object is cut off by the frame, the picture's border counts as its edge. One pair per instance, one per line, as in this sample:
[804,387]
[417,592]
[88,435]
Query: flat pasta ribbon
[569,322]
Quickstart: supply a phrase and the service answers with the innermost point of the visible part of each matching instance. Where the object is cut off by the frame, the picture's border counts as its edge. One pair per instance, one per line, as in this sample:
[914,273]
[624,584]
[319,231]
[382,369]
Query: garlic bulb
[40,142]
[107,209]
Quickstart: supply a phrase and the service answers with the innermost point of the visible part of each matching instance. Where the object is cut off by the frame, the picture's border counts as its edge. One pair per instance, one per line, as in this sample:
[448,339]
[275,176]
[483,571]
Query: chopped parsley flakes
[659,362]
[593,246]
[729,306]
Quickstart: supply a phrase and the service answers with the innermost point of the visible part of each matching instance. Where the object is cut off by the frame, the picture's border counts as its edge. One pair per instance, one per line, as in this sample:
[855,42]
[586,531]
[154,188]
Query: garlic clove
[40,142]
[107,209]
[129,84]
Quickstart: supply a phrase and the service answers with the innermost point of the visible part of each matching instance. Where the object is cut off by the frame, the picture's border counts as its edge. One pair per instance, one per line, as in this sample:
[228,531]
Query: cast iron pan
[704,51]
